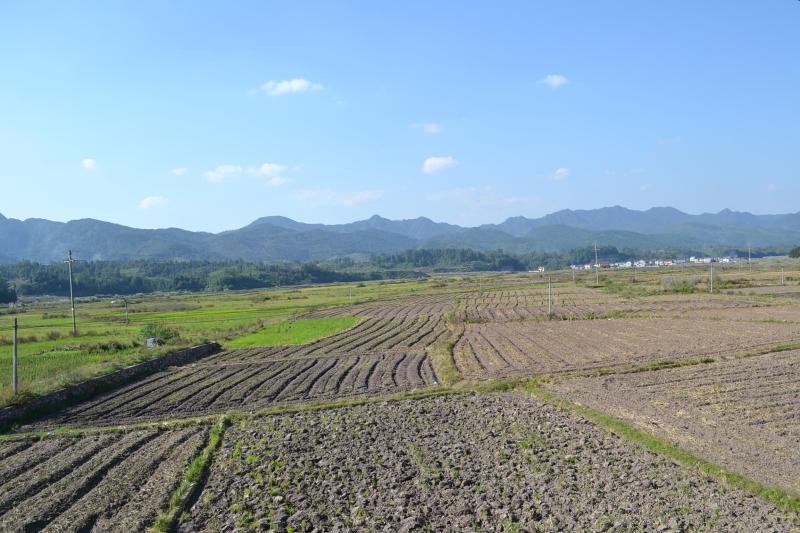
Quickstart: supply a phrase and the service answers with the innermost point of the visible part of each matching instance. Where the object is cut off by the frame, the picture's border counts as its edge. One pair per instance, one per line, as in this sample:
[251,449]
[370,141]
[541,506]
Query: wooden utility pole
[14,378]
[69,262]
[549,298]
[712,278]
[596,266]
[749,260]
[125,300]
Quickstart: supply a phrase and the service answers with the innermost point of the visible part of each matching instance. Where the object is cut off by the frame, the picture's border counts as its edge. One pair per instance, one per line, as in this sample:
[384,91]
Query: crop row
[742,413]
[207,388]
[369,335]
[106,482]
[505,306]
[498,349]
[434,304]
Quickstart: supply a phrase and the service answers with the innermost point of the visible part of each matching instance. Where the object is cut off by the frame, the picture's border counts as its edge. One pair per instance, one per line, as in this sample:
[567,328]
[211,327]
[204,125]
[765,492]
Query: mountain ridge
[276,238]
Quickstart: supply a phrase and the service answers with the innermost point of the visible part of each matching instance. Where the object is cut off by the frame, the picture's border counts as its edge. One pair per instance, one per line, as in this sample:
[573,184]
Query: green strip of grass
[781,498]
[294,332]
[192,479]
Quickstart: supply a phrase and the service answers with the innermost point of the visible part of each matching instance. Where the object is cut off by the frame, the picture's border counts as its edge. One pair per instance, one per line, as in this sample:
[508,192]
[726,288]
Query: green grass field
[294,332]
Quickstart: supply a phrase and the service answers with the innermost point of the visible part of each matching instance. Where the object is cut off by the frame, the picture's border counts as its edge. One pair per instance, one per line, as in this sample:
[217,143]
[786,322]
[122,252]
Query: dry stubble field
[356,430]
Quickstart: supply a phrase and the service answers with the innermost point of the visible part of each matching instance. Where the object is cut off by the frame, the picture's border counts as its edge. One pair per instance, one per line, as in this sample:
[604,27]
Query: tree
[7,292]
[794,253]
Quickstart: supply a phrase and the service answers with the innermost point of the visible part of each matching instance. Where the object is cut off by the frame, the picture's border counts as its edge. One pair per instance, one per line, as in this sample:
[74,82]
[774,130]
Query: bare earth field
[771,313]
[743,414]
[103,482]
[368,336]
[466,462]
[233,386]
[404,452]
[525,348]
[400,307]
[581,303]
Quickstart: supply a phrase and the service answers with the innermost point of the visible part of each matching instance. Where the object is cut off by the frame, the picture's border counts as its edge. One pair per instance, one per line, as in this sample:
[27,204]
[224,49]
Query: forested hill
[283,239]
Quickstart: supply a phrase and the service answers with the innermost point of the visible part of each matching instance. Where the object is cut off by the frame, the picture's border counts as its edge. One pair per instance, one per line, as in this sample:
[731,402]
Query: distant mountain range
[279,238]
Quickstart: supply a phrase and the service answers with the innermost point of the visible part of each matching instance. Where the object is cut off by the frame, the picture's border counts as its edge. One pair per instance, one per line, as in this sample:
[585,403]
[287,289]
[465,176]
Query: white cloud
[560,174]
[223,172]
[555,80]
[773,187]
[431,128]
[296,85]
[152,201]
[277,181]
[328,197]
[180,171]
[89,164]
[271,171]
[268,169]
[432,165]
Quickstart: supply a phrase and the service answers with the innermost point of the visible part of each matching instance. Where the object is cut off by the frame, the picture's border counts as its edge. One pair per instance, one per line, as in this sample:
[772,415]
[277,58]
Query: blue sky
[207,115]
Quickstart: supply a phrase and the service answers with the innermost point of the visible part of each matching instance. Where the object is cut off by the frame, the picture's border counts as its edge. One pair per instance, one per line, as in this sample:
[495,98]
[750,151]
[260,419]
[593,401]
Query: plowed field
[215,388]
[460,463]
[106,482]
[744,413]
[517,348]
[369,335]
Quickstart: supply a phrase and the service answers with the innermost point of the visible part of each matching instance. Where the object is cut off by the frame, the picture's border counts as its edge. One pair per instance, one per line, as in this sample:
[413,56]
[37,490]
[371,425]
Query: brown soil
[743,414]
[225,386]
[460,463]
[111,482]
[520,348]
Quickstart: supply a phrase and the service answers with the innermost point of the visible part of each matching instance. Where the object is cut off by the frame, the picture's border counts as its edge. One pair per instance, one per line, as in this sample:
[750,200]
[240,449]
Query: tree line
[91,278]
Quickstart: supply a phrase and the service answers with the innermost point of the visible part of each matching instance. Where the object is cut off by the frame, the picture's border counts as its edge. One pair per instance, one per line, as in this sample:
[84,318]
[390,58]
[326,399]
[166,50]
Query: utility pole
[596,266]
[573,276]
[125,300]
[782,276]
[749,260]
[712,278]
[69,261]
[14,378]
[549,298]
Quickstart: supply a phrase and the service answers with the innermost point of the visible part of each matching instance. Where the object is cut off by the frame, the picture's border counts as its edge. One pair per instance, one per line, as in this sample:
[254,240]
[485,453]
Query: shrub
[683,287]
[160,331]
